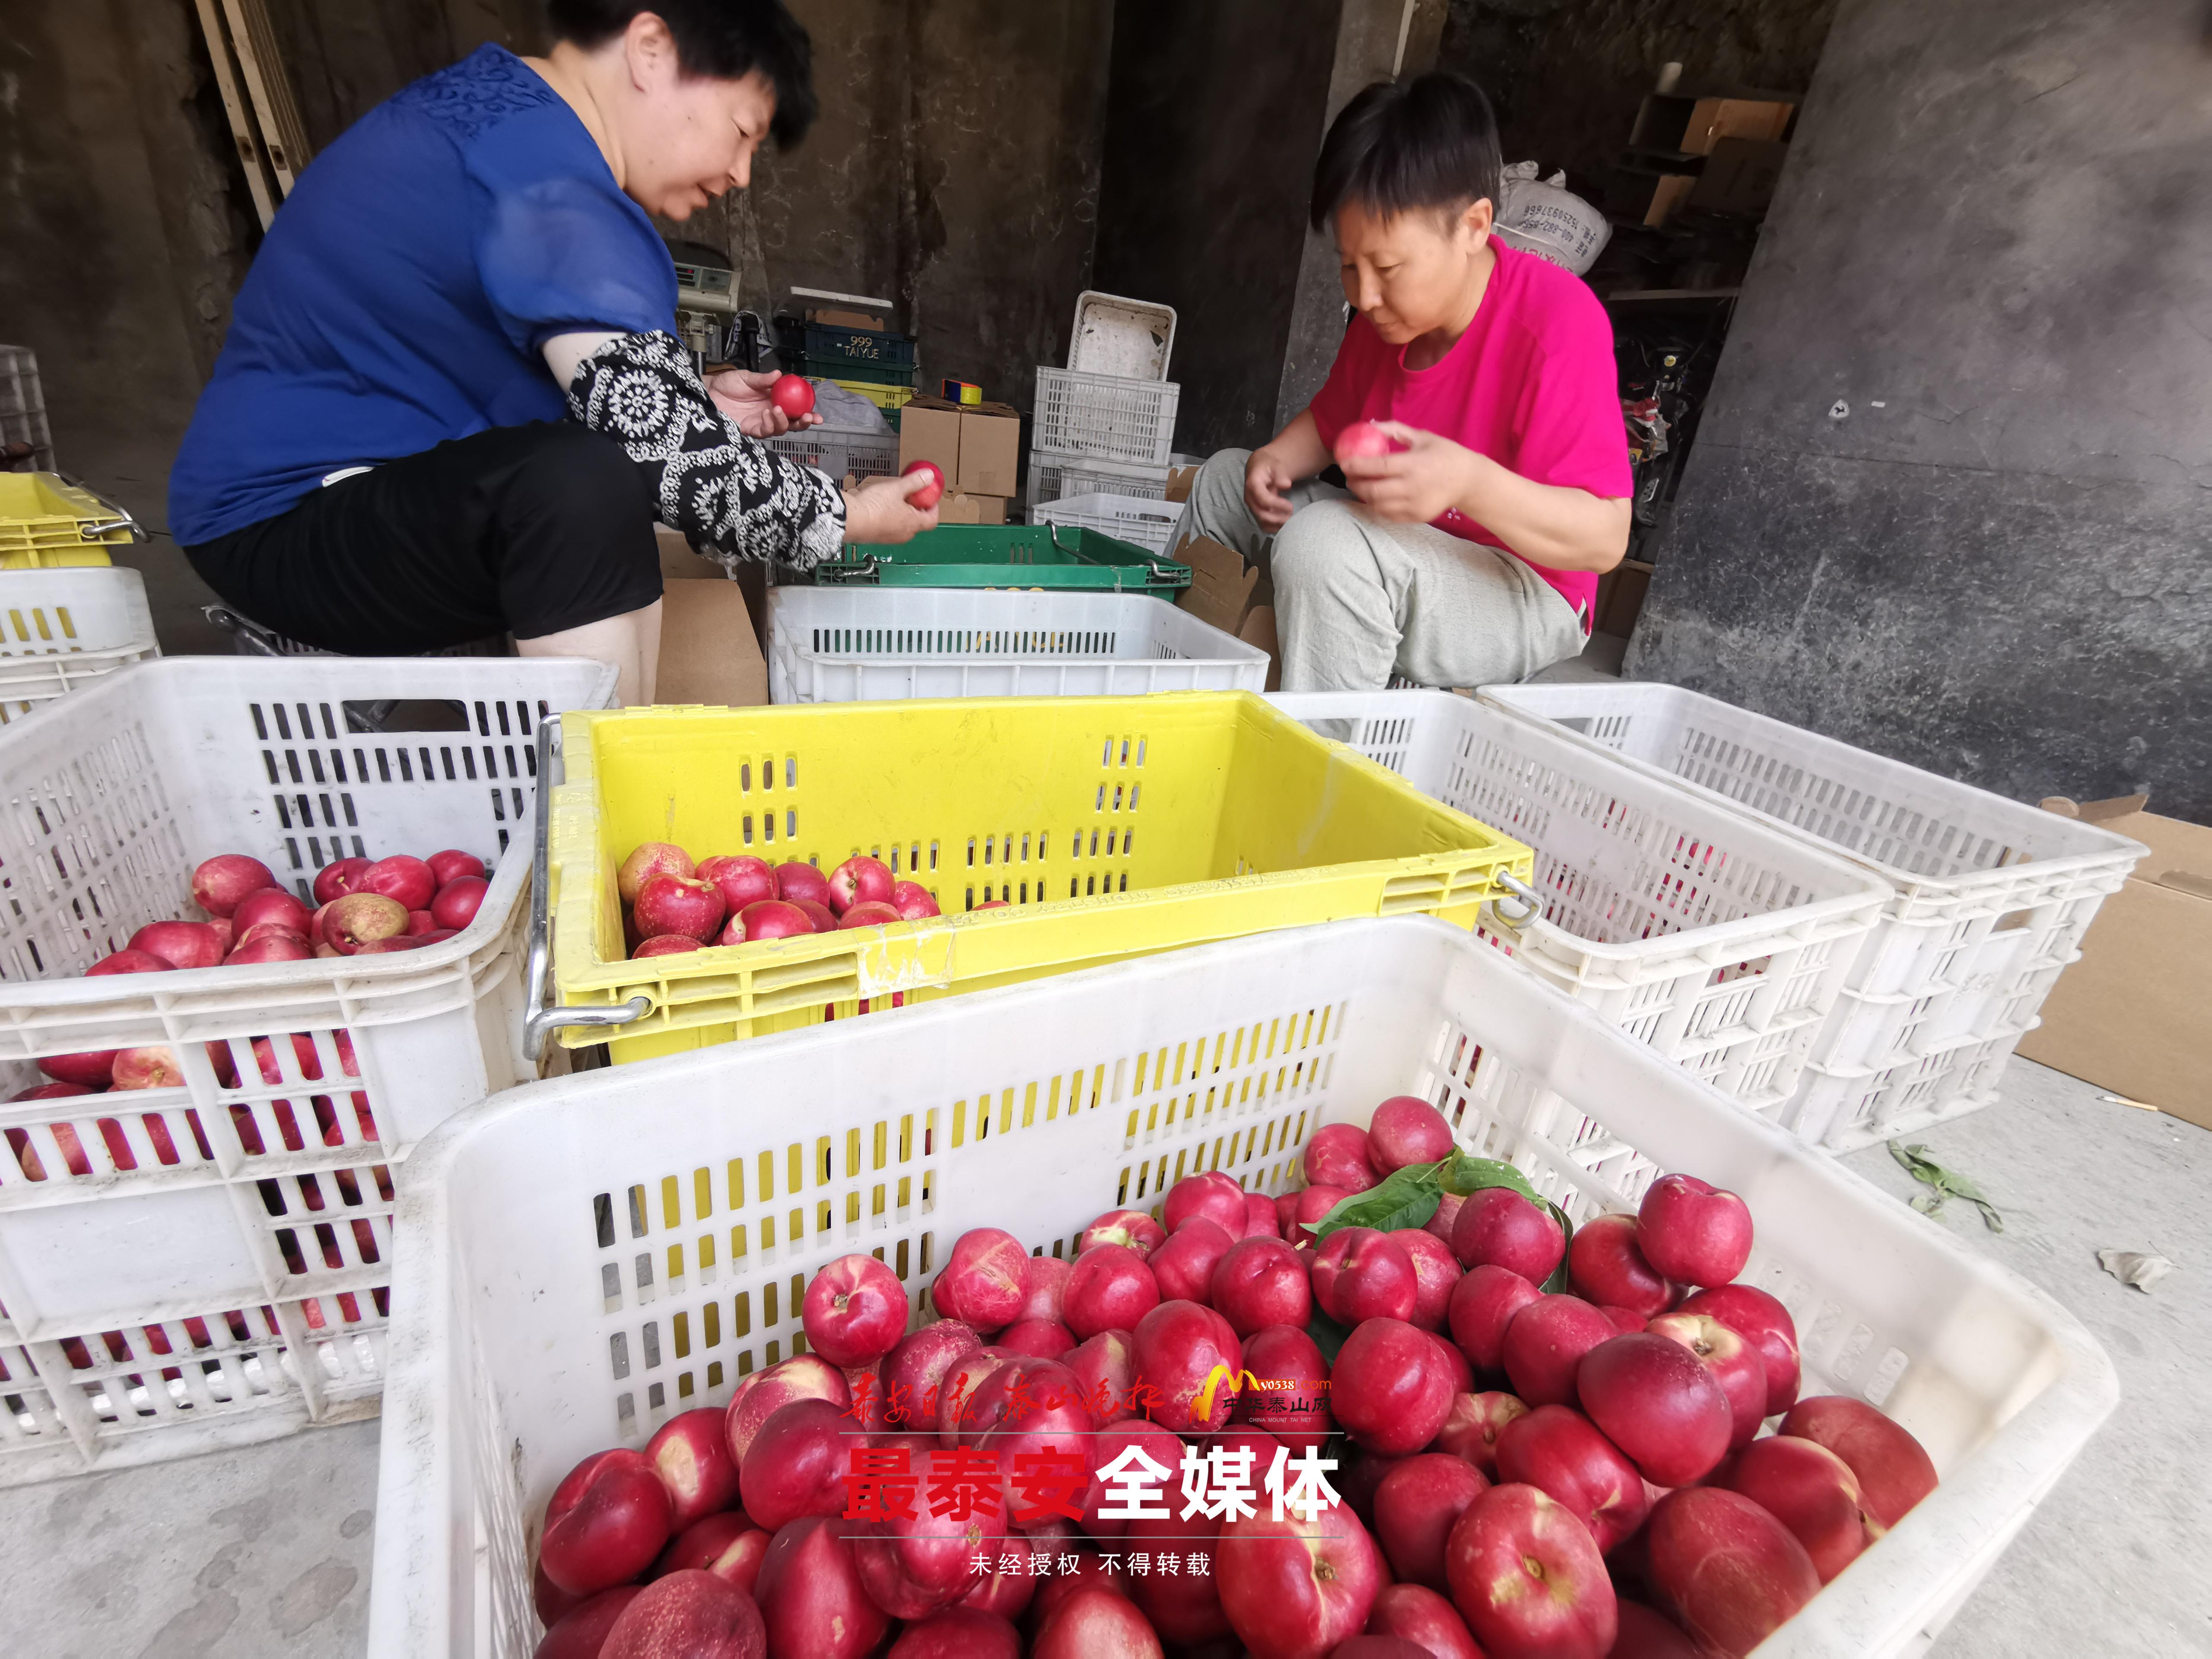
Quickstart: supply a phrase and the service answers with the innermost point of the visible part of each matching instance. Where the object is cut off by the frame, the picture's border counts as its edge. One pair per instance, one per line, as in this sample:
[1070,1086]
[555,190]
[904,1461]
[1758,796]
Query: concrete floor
[268,1551]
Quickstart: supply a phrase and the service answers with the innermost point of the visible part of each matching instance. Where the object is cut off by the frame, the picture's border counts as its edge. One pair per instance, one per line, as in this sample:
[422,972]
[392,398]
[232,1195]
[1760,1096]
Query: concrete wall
[1210,143]
[1953,497]
[955,170]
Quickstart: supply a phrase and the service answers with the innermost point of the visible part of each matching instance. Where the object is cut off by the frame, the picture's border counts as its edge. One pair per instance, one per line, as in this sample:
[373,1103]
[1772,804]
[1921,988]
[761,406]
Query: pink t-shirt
[1531,383]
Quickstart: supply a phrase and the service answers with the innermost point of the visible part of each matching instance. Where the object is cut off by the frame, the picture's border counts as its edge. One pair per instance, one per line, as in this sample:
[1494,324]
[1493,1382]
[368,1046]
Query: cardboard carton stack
[1719,155]
[2129,1016]
[978,446]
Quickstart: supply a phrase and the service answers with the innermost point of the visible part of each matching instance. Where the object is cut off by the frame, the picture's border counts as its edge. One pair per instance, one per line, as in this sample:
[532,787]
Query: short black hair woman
[450,403]
[1469,553]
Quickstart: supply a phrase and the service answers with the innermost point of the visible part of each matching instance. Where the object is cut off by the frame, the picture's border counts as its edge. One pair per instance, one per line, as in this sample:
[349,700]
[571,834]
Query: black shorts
[522,529]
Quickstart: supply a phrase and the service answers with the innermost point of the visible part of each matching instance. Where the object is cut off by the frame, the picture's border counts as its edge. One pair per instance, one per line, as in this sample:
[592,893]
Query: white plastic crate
[1992,896]
[1145,520]
[23,411]
[837,452]
[1112,335]
[63,628]
[1054,477]
[1721,943]
[188,1268]
[1112,417]
[589,1256]
[882,644]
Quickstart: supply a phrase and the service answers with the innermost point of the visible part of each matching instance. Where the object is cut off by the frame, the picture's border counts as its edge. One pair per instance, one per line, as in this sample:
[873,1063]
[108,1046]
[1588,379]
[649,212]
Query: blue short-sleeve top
[403,295]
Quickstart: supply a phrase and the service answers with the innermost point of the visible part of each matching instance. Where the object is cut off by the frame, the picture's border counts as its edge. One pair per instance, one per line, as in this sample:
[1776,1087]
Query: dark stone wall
[1952,500]
[1567,76]
[955,170]
[955,167]
[1210,145]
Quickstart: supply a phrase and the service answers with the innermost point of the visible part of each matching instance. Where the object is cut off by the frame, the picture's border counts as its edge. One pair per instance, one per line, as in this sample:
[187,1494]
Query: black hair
[727,39]
[1429,142]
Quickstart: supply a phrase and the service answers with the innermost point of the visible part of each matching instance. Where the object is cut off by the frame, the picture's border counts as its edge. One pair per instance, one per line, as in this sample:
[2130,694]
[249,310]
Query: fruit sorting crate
[47,522]
[827,449]
[1055,478]
[1113,418]
[591,1255]
[875,644]
[62,629]
[1113,335]
[1010,555]
[871,346]
[1990,897]
[1141,521]
[823,366]
[194,1267]
[1722,943]
[1109,827]
[888,398]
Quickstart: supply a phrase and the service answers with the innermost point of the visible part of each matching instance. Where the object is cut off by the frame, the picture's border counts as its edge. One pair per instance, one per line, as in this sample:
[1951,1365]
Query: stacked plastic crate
[875,363]
[1105,424]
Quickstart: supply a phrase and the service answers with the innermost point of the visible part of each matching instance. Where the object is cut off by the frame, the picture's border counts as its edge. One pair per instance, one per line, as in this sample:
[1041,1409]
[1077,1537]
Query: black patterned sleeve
[724,489]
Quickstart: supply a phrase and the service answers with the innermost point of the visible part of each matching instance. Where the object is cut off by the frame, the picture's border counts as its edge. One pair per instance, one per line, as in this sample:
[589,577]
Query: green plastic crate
[823,366]
[1019,556]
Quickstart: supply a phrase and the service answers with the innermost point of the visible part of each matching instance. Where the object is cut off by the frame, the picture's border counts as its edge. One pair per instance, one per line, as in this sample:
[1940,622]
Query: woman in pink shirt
[1472,554]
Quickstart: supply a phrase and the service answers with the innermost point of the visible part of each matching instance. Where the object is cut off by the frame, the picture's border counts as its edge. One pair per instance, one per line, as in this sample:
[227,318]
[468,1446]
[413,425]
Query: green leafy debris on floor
[1942,1184]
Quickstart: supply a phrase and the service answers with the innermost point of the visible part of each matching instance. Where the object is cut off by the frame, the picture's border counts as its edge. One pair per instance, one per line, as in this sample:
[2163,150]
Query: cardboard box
[1647,197]
[1221,586]
[1621,603]
[929,431]
[961,508]
[979,445]
[2130,1015]
[710,650]
[1676,125]
[990,448]
[1740,177]
[1259,629]
[1179,479]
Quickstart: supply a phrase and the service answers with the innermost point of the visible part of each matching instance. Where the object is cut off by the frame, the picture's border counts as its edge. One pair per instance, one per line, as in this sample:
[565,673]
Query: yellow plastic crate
[1114,827]
[883,397]
[46,523]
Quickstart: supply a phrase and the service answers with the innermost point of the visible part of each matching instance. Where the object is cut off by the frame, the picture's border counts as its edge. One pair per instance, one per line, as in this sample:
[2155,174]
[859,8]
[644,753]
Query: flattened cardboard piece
[1179,479]
[961,508]
[1259,629]
[1220,591]
[708,651]
[2130,1015]
[711,628]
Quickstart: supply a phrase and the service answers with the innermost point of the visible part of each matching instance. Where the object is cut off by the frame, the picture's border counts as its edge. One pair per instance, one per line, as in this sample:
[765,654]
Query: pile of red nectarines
[965,1487]
[363,908]
[670,905]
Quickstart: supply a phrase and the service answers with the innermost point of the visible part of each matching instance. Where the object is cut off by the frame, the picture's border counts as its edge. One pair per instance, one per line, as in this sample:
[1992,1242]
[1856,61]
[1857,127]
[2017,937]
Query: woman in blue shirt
[450,403]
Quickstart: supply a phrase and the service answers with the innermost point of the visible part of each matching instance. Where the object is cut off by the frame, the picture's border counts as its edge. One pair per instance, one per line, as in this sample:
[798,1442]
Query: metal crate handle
[1528,902]
[91,530]
[540,1020]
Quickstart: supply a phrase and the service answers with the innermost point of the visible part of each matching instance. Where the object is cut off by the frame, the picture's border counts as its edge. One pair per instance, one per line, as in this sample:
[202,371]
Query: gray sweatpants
[1357,600]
